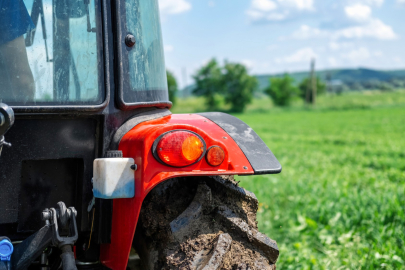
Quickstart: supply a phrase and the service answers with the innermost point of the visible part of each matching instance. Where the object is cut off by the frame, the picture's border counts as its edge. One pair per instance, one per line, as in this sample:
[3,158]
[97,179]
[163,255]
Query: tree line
[232,83]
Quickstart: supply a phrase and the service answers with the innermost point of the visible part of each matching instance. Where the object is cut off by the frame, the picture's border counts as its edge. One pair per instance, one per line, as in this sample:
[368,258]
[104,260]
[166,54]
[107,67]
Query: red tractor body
[137,144]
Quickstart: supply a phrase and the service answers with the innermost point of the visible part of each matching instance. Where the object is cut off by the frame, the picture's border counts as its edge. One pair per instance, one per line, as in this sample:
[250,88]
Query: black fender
[256,151]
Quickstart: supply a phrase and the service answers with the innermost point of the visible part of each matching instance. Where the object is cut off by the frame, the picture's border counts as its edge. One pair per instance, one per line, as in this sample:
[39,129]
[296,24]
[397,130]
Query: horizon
[332,69]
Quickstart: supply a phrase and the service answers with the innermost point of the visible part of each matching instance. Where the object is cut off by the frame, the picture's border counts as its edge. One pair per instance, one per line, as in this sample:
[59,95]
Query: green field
[340,201]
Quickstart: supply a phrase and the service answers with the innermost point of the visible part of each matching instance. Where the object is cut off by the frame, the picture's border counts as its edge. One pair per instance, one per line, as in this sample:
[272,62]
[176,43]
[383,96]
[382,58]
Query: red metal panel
[137,144]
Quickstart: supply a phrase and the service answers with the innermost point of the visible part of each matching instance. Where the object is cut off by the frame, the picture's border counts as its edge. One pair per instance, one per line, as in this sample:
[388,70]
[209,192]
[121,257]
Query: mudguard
[256,151]
[245,154]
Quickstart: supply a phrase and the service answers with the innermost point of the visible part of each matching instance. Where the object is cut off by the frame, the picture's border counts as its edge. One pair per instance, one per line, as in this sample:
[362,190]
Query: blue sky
[272,36]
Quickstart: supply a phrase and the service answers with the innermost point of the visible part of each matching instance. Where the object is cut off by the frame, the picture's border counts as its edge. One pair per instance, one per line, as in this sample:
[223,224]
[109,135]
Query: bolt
[46,215]
[134,167]
[70,211]
[244,167]
[130,40]
[225,138]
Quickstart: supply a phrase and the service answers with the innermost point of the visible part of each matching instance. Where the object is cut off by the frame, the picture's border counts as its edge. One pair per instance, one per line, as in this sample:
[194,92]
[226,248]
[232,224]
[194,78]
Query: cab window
[49,53]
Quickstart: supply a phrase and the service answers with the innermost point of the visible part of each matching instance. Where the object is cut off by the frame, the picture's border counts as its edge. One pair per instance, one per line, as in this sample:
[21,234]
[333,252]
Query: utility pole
[308,92]
[311,88]
[329,82]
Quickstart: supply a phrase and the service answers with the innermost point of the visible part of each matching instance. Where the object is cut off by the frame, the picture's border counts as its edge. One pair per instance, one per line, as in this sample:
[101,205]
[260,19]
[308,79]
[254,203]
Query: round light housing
[215,155]
[179,148]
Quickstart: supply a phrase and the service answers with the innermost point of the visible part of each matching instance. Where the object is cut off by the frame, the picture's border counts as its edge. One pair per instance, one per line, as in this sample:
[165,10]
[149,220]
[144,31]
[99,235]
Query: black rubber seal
[134,121]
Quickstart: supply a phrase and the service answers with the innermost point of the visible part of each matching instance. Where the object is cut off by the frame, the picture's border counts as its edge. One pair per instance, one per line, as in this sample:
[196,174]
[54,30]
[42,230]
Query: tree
[385,86]
[238,86]
[281,90]
[172,86]
[305,83]
[208,84]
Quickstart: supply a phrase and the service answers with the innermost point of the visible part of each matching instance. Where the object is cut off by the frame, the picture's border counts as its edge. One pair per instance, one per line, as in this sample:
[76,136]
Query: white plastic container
[113,178]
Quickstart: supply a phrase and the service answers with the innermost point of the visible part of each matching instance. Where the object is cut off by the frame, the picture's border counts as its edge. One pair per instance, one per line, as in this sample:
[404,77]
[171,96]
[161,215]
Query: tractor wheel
[202,223]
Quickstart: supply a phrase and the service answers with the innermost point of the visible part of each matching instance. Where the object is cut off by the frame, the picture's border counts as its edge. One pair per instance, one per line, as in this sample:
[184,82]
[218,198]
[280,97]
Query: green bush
[281,90]
[172,86]
[232,82]
[305,84]
[385,86]
[208,84]
[238,86]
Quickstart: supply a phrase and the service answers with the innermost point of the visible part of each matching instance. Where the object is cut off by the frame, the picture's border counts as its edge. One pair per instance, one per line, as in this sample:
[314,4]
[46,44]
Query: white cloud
[308,32]
[401,1]
[277,16]
[372,29]
[255,15]
[174,6]
[211,3]
[263,5]
[358,12]
[298,4]
[302,55]
[277,10]
[368,26]
[258,15]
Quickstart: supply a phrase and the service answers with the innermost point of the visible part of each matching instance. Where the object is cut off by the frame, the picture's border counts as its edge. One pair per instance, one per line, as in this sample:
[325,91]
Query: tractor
[95,171]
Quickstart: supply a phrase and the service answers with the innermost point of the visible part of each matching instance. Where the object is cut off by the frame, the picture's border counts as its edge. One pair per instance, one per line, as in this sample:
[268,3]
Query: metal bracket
[6,121]
[56,221]
[67,219]
[64,215]
[3,142]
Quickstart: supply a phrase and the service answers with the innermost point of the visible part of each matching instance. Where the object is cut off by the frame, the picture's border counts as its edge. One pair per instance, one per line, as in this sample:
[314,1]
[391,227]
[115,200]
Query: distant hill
[345,76]
[351,78]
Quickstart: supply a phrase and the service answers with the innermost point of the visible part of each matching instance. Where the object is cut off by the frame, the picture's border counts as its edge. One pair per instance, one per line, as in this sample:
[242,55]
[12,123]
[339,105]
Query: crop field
[340,201]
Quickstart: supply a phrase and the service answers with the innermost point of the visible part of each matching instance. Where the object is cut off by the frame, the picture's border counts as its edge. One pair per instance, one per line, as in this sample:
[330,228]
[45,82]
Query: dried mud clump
[202,224]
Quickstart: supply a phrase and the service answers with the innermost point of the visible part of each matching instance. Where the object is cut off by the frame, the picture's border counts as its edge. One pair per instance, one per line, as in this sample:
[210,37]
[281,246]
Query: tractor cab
[67,63]
[88,140]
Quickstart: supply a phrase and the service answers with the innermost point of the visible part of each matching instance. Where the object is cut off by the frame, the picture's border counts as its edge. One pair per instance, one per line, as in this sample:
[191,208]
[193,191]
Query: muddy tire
[202,223]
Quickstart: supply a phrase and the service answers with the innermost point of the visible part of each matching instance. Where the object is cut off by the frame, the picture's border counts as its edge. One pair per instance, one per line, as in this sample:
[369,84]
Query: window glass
[146,59]
[48,52]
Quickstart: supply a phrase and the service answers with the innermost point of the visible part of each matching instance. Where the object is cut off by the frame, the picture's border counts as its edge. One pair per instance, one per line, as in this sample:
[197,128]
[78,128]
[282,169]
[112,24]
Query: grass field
[340,201]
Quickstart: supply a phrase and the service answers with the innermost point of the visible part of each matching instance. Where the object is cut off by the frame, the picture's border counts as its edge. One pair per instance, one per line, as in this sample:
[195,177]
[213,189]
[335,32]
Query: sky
[276,36]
